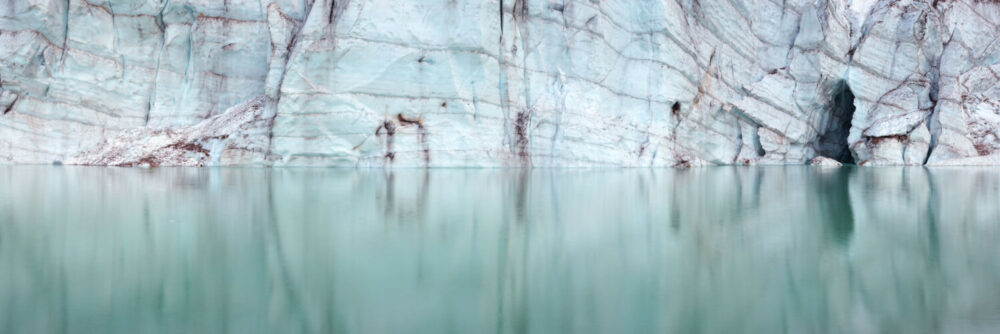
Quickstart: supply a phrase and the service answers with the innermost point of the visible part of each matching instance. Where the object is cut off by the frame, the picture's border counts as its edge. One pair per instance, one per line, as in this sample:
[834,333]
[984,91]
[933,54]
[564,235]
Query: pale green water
[710,250]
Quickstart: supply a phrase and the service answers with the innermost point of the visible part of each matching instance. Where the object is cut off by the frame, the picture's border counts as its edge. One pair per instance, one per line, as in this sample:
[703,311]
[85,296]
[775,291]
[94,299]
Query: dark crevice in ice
[832,142]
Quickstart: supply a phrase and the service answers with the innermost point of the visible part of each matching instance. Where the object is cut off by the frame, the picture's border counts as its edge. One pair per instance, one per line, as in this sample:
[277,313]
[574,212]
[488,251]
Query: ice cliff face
[499,83]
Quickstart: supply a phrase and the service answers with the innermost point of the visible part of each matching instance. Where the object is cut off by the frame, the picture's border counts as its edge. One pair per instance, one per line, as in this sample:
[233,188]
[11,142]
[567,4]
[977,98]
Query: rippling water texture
[711,250]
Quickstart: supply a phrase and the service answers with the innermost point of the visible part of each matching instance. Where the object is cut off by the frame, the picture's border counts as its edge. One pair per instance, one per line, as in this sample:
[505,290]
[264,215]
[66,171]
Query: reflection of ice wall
[509,82]
[321,250]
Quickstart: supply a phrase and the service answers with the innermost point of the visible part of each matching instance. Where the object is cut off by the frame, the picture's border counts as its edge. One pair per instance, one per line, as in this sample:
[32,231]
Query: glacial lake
[703,250]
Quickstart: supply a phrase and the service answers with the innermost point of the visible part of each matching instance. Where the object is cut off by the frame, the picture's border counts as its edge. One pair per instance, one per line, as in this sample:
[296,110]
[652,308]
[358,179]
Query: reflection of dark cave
[833,142]
[835,205]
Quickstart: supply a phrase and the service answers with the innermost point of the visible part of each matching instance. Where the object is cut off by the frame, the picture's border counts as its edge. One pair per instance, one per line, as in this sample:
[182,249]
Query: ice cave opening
[832,142]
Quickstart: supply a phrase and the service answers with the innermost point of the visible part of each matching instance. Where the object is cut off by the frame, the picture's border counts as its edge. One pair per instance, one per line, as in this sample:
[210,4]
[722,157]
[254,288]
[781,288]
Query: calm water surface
[705,250]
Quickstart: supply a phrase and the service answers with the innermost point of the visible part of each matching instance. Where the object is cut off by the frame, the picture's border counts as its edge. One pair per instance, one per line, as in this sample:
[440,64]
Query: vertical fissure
[272,107]
[522,125]
[151,99]
[933,95]
[502,82]
[932,128]
[62,58]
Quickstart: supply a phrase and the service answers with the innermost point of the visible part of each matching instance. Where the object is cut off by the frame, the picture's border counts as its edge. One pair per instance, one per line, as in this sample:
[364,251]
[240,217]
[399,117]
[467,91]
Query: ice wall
[499,83]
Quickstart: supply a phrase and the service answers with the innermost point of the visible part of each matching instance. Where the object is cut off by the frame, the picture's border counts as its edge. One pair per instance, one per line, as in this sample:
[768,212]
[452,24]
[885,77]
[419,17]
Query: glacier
[412,83]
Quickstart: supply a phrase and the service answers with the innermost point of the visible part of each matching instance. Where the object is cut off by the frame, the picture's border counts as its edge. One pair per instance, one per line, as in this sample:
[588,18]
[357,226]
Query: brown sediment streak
[390,132]
[421,134]
[148,161]
[521,131]
[875,141]
[388,129]
[518,138]
[405,121]
[682,162]
[192,147]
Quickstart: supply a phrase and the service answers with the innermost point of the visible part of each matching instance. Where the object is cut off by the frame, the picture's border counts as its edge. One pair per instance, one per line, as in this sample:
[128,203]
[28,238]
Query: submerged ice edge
[499,83]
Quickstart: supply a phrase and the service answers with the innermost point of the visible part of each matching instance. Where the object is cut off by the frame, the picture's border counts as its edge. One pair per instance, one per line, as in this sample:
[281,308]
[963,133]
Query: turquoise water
[704,250]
